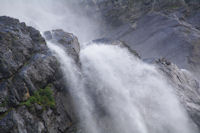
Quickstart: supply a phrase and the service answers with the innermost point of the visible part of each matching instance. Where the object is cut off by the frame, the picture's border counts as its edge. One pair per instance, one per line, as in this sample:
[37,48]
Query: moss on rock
[43,97]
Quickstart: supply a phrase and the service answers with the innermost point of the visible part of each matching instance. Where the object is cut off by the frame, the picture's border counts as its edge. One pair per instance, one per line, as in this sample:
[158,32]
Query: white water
[117,93]
[76,86]
[114,92]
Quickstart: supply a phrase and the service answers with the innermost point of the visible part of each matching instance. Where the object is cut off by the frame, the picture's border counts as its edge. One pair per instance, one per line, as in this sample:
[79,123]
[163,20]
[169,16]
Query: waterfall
[73,79]
[115,92]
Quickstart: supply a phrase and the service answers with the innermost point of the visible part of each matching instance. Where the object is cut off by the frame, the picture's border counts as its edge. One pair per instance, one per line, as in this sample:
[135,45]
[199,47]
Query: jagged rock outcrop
[186,86]
[27,66]
[31,84]
[67,40]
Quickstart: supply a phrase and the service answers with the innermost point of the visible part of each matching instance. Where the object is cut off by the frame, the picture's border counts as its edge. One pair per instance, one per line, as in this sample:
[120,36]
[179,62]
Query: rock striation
[187,88]
[156,28]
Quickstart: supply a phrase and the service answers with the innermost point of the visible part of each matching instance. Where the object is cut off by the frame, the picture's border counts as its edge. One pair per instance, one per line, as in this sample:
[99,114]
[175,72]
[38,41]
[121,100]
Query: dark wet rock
[67,40]
[7,122]
[26,65]
[155,28]
[193,3]
[17,46]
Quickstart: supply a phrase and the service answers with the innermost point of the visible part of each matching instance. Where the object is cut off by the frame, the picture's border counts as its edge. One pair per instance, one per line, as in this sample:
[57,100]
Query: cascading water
[73,79]
[115,92]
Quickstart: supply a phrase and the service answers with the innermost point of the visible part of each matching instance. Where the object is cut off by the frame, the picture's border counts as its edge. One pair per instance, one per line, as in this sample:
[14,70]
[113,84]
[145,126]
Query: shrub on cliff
[43,97]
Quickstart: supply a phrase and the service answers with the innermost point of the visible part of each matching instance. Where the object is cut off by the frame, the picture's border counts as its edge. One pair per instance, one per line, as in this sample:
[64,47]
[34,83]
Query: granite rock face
[16,46]
[27,66]
[66,40]
[157,28]
[161,29]
[154,28]
[117,12]
[157,35]
[187,88]
[184,83]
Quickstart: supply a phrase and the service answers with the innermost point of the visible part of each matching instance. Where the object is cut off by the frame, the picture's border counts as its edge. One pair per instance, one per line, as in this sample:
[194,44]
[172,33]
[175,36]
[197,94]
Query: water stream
[116,92]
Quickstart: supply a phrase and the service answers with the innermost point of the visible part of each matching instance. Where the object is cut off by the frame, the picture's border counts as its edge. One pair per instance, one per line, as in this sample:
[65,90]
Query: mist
[115,92]
[46,15]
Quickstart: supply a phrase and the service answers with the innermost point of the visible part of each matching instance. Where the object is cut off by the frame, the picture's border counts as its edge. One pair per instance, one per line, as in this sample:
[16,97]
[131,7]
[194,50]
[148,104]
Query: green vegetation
[43,97]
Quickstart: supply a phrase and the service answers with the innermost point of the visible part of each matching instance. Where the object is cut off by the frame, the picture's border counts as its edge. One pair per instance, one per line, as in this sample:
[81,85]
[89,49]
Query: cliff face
[33,97]
[162,28]
[185,86]
[156,28]
[119,11]
[31,90]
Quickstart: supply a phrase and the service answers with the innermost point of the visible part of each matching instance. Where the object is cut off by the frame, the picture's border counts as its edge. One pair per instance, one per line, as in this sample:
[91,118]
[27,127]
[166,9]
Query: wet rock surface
[187,88]
[26,67]
[157,35]
[154,28]
[18,44]
[66,40]
[157,29]
[26,64]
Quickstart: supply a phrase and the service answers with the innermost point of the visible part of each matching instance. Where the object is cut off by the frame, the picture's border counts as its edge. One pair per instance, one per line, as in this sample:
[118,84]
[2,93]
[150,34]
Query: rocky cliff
[117,12]
[186,87]
[31,90]
[33,97]
[155,28]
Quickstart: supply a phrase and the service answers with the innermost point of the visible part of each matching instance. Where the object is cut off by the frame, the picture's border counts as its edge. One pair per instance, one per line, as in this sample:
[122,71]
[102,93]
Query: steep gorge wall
[156,28]
[123,10]
[31,76]
[28,66]
[33,98]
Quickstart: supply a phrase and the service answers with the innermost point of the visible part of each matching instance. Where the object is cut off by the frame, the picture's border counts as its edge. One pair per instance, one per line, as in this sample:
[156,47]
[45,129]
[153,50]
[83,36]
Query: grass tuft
[43,97]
